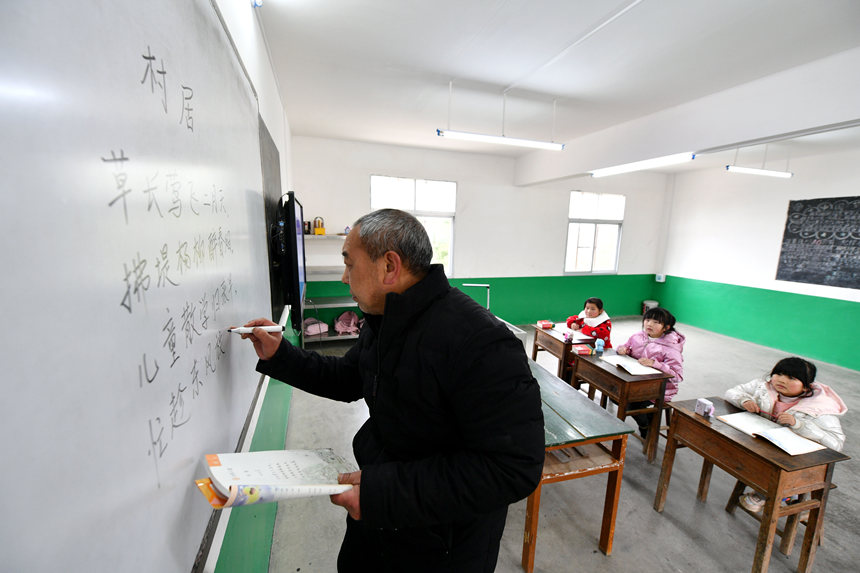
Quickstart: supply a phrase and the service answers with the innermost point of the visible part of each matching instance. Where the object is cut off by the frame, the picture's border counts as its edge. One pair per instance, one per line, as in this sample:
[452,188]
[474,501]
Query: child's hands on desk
[622,350]
[350,499]
[750,406]
[646,361]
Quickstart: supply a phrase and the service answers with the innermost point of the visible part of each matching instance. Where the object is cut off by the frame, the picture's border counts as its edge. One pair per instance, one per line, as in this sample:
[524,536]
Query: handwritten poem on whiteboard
[175,287]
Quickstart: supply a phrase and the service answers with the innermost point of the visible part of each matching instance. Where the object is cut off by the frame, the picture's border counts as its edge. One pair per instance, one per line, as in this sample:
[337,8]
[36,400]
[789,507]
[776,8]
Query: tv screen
[291,247]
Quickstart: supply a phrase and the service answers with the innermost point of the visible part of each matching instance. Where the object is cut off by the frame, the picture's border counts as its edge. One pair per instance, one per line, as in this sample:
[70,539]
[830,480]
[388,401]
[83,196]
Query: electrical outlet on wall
[660,278]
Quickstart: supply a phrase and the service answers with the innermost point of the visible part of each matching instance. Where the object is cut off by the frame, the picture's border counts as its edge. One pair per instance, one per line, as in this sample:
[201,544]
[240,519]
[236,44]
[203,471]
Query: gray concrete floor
[687,536]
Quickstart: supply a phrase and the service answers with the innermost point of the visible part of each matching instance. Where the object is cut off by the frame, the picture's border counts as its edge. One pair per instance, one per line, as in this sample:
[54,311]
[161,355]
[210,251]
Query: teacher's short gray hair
[395,230]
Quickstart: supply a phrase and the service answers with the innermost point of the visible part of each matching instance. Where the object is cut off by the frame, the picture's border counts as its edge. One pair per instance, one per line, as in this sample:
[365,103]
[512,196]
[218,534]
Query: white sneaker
[752,501]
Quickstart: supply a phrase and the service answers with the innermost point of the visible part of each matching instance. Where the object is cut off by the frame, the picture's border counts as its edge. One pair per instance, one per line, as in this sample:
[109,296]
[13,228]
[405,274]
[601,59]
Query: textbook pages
[781,436]
[262,477]
[631,365]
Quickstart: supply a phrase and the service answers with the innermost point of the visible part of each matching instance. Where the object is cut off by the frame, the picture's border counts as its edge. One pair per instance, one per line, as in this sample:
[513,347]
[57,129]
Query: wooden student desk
[579,428]
[552,340]
[622,387]
[757,463]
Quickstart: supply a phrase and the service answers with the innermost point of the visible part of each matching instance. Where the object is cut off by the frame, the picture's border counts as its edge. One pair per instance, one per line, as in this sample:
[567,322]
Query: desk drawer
[745,466]
[606,383]
[553,345]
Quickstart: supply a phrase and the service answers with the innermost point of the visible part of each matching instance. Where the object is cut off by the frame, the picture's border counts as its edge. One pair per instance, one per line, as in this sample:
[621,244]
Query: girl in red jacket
[593,321]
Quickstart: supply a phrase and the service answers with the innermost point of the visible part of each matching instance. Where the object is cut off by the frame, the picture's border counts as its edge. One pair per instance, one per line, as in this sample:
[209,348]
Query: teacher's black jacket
[455,432]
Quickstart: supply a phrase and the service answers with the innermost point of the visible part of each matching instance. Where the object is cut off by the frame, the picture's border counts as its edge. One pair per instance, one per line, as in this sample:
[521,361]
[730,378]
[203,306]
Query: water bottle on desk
[598,346]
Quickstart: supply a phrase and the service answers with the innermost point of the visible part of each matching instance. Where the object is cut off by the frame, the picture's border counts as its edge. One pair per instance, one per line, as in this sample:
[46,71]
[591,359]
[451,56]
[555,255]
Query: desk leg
[736,493]
[613,492]
[813,525]
[535,348]
[766,533]
[666,471]
[705,480]
[654,426]
[530,535]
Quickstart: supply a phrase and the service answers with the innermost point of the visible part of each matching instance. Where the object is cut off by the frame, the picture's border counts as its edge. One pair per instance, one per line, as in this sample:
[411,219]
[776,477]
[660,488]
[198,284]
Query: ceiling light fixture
[501,139]
[498,139]
[664,161]
[753,171]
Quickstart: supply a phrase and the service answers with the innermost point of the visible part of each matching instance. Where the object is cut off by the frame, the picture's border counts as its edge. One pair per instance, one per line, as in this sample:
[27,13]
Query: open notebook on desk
[629,364]
[780,436]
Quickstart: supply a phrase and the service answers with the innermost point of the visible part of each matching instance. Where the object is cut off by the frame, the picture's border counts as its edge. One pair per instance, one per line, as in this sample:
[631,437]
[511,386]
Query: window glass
[436,196]
[605,247]
[429,201]
[441,233]
[610,206]
[592,244]
[392,193]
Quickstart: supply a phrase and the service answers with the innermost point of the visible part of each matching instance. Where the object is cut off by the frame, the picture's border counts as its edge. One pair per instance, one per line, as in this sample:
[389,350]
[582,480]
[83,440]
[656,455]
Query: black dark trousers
[471,547]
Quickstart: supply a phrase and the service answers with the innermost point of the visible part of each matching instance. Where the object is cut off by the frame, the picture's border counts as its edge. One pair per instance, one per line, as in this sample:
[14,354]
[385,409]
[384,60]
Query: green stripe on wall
[524,300]
[815,327]
[247,543]
[811,326]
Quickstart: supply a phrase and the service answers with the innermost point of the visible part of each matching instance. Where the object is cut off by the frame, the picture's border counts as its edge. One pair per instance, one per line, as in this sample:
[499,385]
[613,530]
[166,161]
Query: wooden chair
[793,511]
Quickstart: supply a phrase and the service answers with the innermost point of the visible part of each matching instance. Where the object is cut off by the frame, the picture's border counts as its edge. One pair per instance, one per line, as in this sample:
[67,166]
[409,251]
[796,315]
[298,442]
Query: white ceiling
[379,70]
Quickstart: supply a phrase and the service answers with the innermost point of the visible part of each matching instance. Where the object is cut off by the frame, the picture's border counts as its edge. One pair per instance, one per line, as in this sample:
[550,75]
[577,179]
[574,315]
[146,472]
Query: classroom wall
[737,222]
[501,230]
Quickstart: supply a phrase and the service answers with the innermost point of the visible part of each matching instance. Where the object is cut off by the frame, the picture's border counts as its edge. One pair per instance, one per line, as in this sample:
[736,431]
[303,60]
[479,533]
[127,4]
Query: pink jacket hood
[823,401]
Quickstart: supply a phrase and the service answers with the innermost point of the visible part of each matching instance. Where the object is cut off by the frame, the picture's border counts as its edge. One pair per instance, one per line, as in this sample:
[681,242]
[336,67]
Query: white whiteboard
[132,234]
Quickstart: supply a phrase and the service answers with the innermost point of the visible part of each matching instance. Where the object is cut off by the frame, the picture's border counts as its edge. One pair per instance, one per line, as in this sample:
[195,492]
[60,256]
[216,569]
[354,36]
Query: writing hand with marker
[266,336]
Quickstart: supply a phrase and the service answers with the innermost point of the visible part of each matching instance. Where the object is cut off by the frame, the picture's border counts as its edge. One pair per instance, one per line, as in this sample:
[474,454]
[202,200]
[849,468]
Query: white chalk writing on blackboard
[821,242]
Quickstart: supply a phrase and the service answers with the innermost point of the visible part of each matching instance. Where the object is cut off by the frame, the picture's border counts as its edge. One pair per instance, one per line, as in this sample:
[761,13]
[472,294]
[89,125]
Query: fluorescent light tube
[645,164]
[466,136]
[753,171]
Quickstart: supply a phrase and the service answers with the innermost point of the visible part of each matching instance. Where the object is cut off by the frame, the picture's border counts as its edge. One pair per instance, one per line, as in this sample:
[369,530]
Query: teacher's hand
[265,343]
[351,498]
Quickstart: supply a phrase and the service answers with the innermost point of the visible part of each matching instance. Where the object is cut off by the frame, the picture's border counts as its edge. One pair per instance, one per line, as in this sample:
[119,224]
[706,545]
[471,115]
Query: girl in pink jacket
[659,346]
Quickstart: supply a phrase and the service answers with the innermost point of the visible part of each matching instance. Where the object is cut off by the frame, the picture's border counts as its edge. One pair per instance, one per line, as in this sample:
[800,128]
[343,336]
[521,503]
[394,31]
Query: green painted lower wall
[814,327]
[247,543]
[523,300]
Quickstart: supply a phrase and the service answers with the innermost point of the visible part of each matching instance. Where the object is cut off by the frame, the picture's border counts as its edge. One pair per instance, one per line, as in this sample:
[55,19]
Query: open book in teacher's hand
[262,477]
[780,436]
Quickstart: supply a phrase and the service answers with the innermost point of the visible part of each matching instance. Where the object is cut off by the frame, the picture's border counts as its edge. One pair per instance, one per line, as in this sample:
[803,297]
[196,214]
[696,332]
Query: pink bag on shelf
[314,327]
[347,323]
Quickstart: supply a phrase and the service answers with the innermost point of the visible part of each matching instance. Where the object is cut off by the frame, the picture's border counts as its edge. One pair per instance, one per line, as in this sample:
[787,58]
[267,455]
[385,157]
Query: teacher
[455,432]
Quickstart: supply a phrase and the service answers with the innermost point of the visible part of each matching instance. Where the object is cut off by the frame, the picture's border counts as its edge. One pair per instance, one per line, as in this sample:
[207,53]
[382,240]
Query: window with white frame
[432,202]
[593,232]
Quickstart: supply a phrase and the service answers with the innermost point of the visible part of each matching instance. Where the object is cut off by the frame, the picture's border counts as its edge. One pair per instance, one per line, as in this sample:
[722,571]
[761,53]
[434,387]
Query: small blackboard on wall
[821,243]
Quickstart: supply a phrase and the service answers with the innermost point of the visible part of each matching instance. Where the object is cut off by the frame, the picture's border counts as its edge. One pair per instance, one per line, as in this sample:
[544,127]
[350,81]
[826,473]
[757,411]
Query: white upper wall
[823,92]
[248,38]
[501,230]
[728,228]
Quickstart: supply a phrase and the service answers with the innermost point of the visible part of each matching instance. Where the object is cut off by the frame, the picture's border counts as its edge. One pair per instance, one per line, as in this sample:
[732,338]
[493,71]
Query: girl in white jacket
[790,397]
